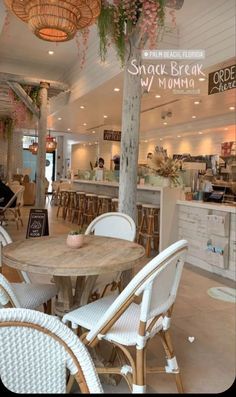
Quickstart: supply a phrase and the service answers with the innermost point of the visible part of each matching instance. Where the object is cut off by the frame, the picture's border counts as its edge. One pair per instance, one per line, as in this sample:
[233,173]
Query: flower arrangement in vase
[165,166]
[75,239]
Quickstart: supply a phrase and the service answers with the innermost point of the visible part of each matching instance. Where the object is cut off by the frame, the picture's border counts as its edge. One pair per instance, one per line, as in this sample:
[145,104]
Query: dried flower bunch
[164,165]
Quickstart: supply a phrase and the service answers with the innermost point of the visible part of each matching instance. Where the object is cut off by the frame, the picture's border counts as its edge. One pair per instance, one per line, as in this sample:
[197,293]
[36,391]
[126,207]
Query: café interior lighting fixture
[51,143]
[194,117]
[82,107]
[59,118]
[57,20]
[157,96]
[197,102]
[231,108]
[33,148]
[50,52]
[201,79]
[116,89]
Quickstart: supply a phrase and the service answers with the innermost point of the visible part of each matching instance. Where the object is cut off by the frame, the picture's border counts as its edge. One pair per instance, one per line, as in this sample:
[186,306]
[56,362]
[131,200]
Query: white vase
[165,182]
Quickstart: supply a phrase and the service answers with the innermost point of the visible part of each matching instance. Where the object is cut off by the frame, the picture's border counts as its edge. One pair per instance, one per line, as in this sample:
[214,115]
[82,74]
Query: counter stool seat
[114,204]
[78,210]
[90,207]
[104,205]
[149,227]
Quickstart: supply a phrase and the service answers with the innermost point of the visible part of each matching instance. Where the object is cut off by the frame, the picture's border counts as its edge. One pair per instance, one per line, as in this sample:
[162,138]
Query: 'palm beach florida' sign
[222,80]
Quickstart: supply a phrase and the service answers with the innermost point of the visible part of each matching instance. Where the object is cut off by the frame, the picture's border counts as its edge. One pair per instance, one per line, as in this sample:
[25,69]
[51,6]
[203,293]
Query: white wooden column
[10,154]
[41,157]
[130,134]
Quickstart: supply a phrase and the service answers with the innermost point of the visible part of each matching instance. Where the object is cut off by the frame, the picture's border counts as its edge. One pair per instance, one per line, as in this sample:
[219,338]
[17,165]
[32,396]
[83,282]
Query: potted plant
[75,239]
[164,166]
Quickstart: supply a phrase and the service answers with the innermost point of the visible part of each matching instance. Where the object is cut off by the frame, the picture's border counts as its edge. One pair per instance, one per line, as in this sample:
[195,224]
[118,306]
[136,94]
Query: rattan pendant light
[56,20]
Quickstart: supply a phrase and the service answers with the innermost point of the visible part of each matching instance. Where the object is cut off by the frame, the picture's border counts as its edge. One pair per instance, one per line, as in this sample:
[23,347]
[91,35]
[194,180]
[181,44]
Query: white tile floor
[208,363]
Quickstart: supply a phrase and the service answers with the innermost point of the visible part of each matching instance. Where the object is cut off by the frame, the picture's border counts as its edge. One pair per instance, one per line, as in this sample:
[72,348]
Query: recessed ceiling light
[178,136]
[200,132]
[116,89]
[194,117]
[157,96]
[196,102]
[161,139]
[146,141]
[82,107]
[93,132]
[105,116]
[231,108]
[68,129]
[201,79]
[59,118]
[165,123]
[50,52]
[85,124]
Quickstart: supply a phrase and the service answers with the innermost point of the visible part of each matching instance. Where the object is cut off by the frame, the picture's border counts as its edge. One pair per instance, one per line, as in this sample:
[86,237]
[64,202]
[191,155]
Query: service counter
[166,197]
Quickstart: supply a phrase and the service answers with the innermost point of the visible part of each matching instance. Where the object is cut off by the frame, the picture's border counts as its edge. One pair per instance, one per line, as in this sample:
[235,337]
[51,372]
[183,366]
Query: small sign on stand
[38,223]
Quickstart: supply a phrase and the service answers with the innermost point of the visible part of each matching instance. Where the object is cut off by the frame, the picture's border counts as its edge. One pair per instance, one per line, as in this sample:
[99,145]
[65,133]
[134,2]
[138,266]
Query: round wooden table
[51,255]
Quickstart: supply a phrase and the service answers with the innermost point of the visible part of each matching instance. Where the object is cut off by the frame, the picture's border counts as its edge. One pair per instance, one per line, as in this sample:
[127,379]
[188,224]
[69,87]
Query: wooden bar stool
[78,211]
[71,205]
[63,200]
[139,215]
[149,227]
[91,207]
[115,204]
[104,205]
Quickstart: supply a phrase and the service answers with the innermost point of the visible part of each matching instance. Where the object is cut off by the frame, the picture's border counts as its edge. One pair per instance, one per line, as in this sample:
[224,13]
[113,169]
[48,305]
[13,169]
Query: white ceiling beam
[8,77]
[24,97]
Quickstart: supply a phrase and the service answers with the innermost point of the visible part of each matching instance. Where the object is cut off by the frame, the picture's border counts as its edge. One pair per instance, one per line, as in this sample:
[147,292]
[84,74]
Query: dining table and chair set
[107,294]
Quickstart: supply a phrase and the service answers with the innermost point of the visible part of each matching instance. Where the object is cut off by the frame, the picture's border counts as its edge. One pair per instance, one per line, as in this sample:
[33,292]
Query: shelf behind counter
[164,196]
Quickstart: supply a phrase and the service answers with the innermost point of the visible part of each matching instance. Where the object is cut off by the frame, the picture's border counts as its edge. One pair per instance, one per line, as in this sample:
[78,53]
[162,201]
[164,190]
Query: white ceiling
[22,53]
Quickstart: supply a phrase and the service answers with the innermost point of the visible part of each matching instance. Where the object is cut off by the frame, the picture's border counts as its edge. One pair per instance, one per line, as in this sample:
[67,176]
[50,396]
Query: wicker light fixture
[33,148]
[56,20]
[51,143]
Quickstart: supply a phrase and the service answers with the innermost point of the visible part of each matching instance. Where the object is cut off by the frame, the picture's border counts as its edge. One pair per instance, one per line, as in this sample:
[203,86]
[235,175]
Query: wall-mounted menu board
[222,80]
[110,135]
[38,223]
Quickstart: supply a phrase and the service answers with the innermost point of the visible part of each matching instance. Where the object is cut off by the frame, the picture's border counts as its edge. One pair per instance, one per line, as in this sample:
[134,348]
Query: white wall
[81,156]
[209,143]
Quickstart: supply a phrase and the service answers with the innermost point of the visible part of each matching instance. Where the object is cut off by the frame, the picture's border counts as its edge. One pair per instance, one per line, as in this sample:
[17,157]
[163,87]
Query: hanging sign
[110,135]
[222,80]
[38,223]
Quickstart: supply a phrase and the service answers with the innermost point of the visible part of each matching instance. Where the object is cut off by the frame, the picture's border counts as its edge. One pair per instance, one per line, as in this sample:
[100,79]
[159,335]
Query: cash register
[220,194]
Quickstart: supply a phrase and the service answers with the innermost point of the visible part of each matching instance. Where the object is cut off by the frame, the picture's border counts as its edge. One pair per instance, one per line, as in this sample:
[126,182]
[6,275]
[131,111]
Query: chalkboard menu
[38,223]
[222,80]
[110,135]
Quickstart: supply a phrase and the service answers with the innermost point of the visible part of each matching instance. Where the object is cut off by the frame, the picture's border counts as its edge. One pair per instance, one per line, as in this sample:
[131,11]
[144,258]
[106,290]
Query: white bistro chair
[27,294]
[36,350]
[125,323]
[111,224]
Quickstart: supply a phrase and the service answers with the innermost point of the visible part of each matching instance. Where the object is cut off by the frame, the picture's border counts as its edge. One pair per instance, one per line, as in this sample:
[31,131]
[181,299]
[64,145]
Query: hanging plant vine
[118,20]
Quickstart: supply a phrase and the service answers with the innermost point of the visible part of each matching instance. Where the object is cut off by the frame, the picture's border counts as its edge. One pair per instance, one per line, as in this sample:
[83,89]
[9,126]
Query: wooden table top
[51,255]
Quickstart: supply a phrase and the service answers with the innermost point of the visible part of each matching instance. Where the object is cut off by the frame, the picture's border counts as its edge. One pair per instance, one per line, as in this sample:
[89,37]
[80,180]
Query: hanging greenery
[118,20]
[6,127]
